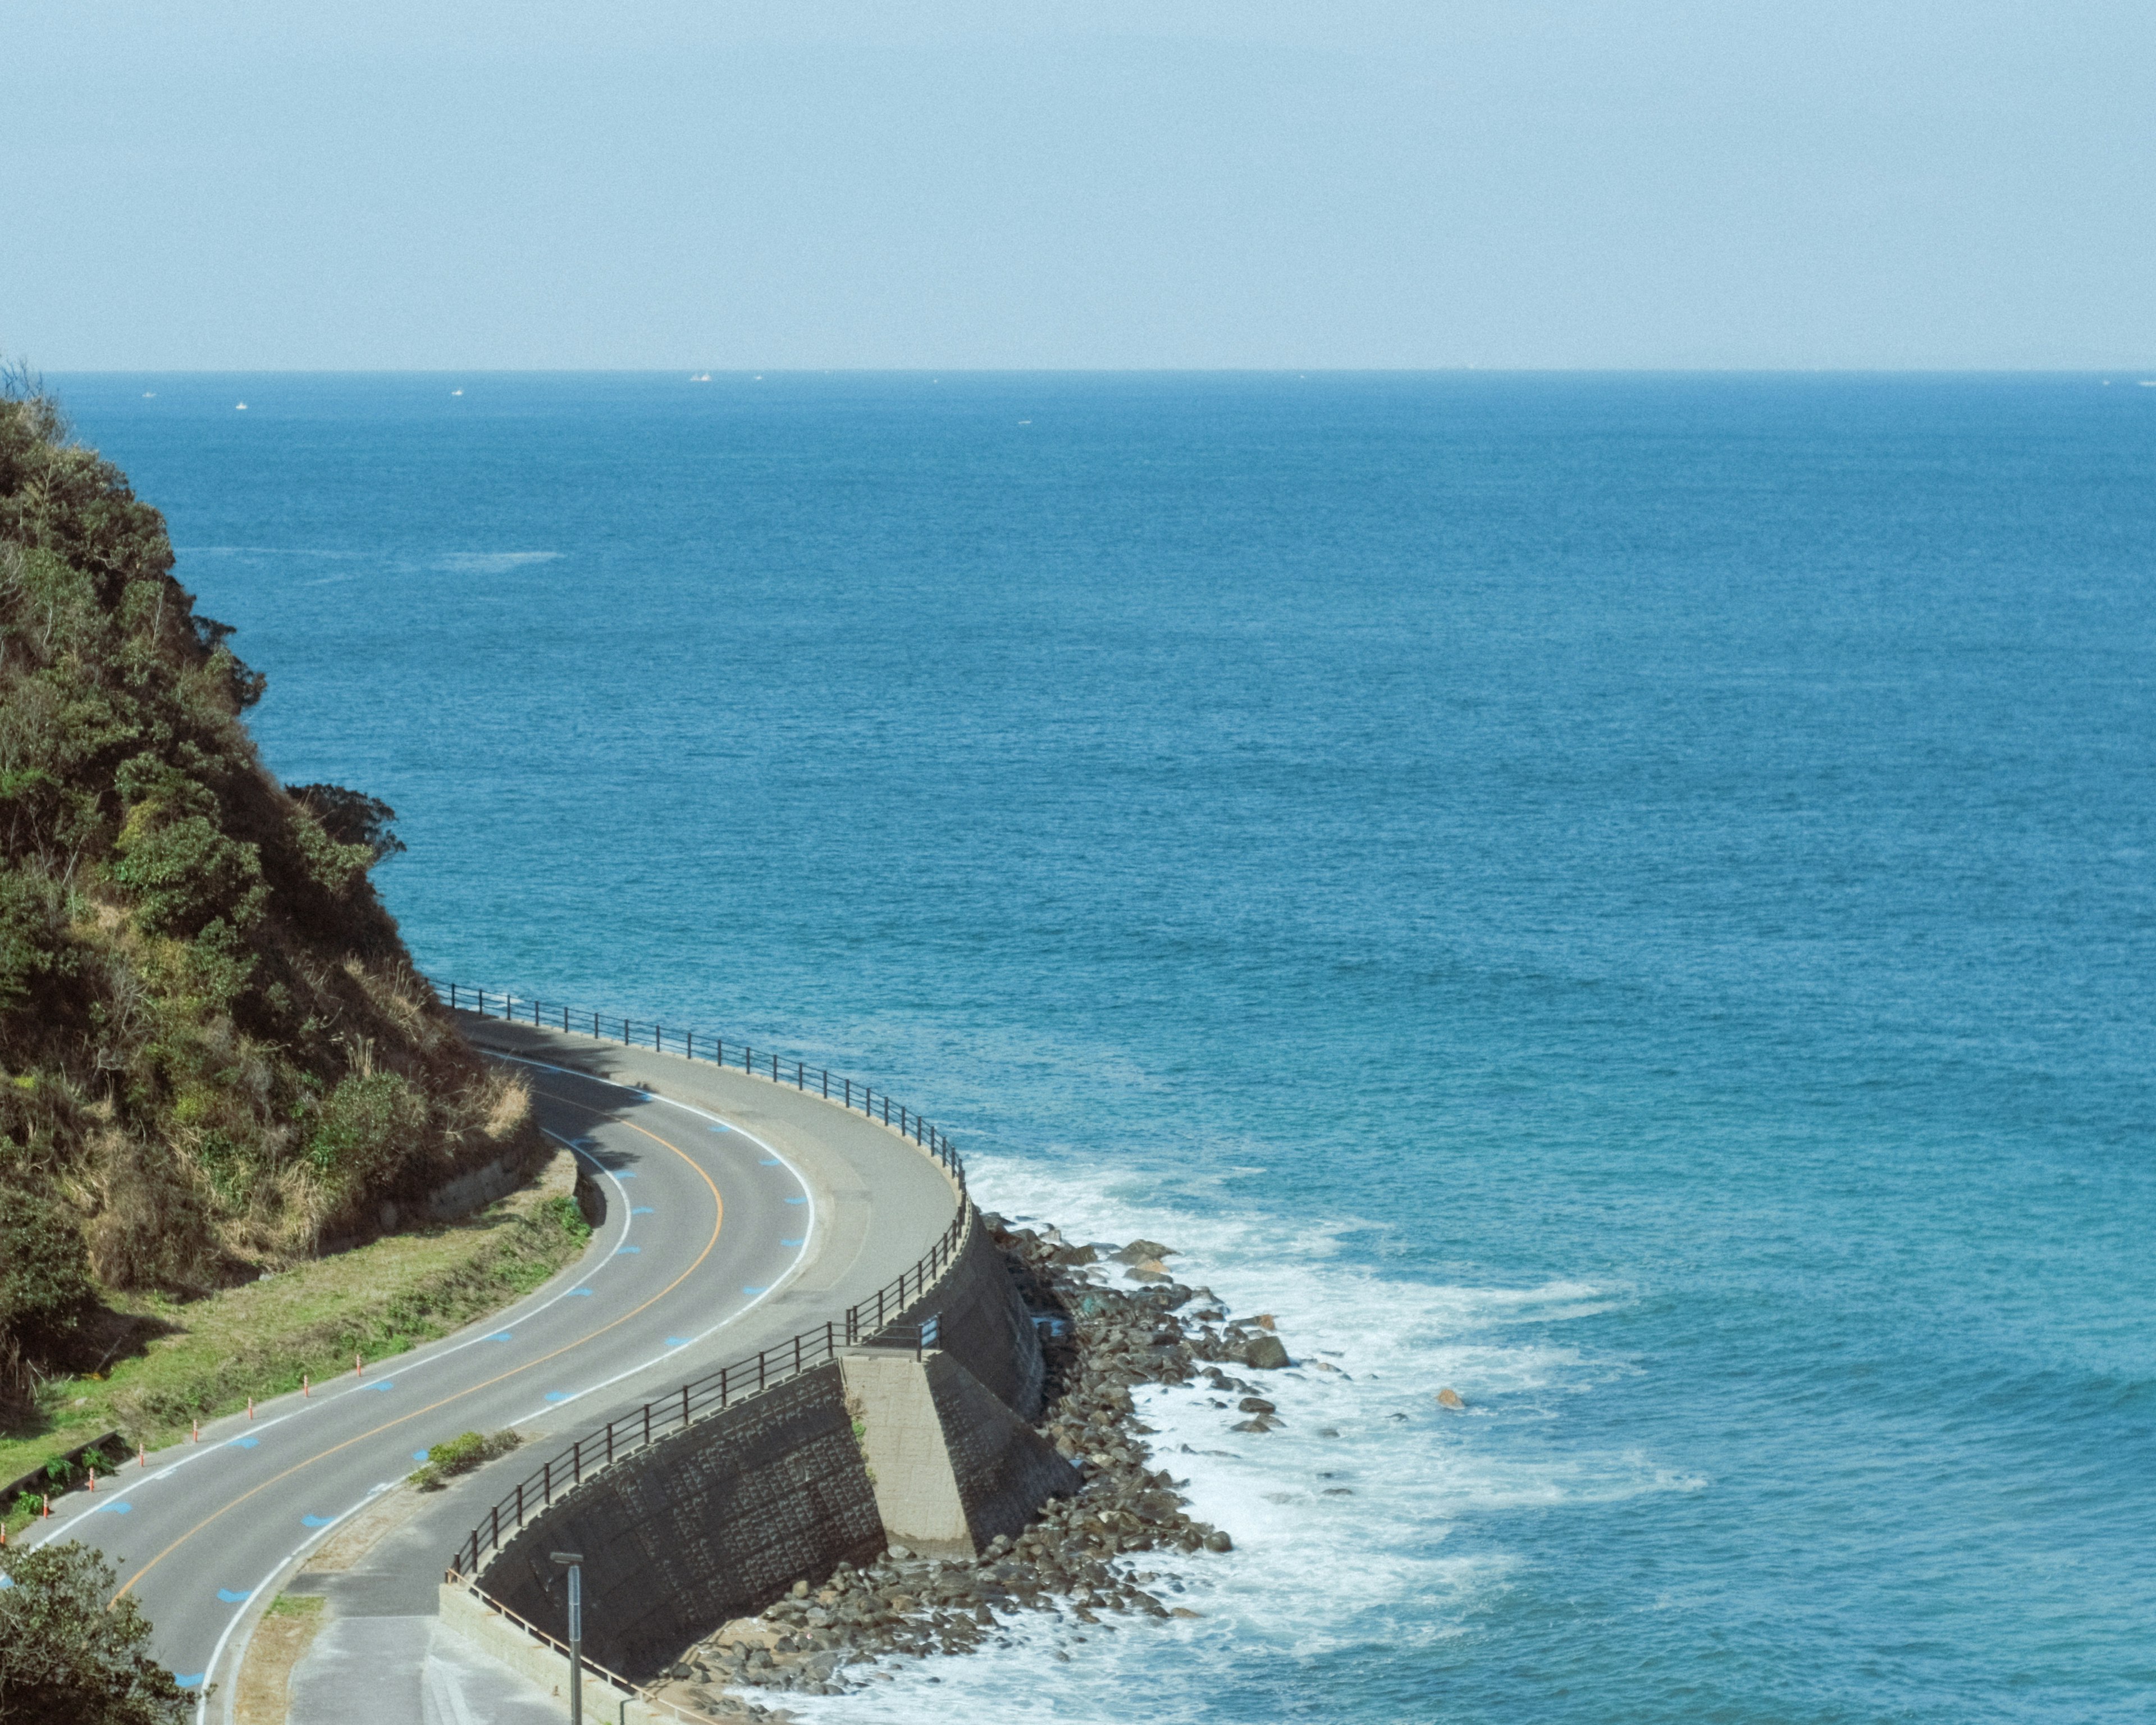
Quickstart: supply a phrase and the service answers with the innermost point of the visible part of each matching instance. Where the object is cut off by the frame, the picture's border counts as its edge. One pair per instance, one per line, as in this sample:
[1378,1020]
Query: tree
[350,817]
[65,1656]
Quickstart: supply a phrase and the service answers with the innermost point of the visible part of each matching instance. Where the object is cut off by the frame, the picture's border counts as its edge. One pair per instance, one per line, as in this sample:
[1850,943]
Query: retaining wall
[983,1325]
[712,1522]
[715,1520]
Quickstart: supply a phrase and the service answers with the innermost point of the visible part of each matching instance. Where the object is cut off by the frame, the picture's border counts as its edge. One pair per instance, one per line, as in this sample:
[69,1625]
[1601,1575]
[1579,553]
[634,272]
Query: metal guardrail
[871,1322]
[700,1045]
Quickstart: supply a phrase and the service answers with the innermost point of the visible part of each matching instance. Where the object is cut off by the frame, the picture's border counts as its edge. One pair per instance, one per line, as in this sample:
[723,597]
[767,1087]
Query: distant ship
[701,377]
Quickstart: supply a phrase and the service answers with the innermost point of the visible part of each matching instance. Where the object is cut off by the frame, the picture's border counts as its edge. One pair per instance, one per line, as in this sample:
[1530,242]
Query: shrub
[45,1286]
[461,1455]
[63,1655]
[357,1134]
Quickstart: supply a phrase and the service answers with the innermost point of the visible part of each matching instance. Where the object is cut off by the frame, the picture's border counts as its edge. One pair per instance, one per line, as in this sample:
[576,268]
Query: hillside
[215,1055]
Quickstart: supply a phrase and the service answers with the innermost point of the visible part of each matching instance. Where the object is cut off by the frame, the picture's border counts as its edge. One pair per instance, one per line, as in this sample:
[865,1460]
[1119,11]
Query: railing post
[547,1480]
[796,1356]
[453,997]
[496,1537]
[827,1084]
[520,1503]
[685,1404]
[647,1425]
[577,1462]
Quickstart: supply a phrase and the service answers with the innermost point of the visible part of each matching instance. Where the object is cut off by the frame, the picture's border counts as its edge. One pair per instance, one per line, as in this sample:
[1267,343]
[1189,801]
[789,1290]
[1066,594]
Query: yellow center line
[718,1220]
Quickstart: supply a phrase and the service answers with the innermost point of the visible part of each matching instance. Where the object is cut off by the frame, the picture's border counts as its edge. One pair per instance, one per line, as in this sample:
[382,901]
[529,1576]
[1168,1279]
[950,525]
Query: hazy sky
[1176,183]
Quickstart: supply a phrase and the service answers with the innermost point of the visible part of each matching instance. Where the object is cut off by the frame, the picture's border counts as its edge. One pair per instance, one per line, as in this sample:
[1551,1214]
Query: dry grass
[280,1642]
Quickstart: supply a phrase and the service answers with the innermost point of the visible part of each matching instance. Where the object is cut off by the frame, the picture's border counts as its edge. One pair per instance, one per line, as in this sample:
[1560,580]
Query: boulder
[1267,1354]
[1139,1251]
[1449,1397]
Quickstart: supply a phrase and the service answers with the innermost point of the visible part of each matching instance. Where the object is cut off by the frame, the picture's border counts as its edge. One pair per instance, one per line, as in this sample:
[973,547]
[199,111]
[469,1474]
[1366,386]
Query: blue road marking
[721,1128]
[677,1341]
[586,1292]
[643,1209]
[747,1290]
[113,1509]
[418,1454]
[319,1521]
[794,1242]
[231,1597]
[556,1395]
[797,1200]
[627,1251]
[194,1683]
[386,1383]
[502,1335]
[242,1443]
[623,1173]
[770,1161]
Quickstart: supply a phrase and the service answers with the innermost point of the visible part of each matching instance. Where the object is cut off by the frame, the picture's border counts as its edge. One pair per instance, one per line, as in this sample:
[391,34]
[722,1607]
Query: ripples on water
[1629,897]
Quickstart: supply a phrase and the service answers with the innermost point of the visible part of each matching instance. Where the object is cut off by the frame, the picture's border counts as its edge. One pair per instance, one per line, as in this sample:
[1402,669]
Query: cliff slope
[214,1052]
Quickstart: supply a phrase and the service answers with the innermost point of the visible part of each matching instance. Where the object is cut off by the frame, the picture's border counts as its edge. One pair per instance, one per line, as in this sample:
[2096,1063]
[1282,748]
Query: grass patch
[461,1455]
[298,1605]
[375,1300]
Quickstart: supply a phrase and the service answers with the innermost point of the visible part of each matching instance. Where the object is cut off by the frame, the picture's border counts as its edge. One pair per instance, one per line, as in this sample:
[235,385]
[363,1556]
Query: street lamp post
[573,1562]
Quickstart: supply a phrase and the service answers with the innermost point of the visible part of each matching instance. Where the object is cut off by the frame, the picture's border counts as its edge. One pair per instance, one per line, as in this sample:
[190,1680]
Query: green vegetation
[564,1209]
[297,1606]
[65,1656]
[461,1455]
[216,1057]
[378,1300]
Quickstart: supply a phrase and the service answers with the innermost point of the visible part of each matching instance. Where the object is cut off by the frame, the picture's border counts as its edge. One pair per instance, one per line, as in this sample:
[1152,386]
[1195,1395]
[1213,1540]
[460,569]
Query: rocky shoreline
[1081,1556]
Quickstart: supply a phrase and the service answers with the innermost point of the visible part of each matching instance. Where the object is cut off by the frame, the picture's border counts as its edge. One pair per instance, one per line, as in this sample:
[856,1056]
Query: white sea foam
[1354,1524]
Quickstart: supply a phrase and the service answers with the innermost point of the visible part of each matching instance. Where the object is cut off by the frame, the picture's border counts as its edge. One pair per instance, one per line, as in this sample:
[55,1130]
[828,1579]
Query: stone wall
[711,1523]
[983,1325]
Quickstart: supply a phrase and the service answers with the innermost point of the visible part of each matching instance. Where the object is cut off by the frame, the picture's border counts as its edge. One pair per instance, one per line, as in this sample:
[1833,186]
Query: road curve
[739,1211]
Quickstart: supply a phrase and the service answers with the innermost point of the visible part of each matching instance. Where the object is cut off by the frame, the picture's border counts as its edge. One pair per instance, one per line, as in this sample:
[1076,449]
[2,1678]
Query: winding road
[739,1211]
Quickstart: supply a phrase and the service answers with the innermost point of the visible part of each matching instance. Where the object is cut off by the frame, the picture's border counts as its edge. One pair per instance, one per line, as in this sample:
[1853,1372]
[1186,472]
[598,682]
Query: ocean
[1629,897]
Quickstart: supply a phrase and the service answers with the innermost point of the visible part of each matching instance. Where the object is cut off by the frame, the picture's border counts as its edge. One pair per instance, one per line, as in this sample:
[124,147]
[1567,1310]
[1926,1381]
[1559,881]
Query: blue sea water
[1628,896]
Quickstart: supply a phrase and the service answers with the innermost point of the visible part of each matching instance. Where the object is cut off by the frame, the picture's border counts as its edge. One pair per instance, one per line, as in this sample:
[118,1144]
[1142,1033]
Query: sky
[1123,184]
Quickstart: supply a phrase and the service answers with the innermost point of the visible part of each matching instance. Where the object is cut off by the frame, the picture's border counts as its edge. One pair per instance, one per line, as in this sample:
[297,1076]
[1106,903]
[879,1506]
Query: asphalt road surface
[739,1211]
